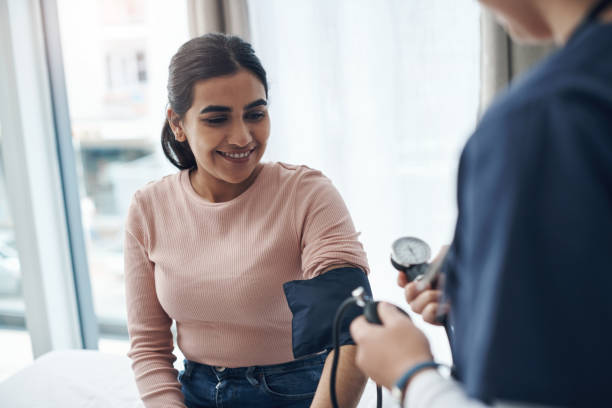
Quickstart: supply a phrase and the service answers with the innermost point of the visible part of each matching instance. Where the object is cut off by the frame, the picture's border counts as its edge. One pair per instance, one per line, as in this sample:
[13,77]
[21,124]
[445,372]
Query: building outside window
[116,55]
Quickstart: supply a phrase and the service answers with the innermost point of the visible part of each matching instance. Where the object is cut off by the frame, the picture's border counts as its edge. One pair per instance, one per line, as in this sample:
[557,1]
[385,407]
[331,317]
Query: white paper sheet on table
[71,379]
[89,379]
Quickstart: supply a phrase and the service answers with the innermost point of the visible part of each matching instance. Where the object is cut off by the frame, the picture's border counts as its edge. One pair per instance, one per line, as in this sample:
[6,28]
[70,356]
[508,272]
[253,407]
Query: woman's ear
[176,125]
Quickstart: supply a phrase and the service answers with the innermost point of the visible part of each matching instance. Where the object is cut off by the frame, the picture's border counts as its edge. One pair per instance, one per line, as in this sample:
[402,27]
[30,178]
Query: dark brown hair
[204,57]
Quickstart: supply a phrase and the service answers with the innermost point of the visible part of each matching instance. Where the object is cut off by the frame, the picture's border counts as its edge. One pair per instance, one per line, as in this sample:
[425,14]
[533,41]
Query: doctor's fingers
[360,328]
[402,280]
[390,314]
[419,303]
[432,312]
[412,290]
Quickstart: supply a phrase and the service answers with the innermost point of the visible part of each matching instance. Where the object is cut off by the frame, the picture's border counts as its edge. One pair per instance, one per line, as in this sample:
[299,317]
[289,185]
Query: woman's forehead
[236,89]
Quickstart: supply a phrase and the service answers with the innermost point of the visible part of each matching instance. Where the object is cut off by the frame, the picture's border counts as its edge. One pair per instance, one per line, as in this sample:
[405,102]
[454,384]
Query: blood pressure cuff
[314,303]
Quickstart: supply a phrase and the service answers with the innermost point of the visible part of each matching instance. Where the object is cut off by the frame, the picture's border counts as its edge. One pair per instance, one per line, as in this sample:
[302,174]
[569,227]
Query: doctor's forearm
[350,381]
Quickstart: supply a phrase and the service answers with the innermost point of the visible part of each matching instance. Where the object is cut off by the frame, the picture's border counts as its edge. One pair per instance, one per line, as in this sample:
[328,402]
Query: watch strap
[399,389]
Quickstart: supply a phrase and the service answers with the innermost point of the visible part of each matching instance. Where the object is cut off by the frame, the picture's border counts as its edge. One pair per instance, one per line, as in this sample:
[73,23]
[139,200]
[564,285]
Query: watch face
[408,251]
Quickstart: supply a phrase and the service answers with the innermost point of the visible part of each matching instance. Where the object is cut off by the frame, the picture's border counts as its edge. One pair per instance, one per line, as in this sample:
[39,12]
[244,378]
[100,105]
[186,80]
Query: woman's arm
[329,242]
[151,342]
[350,381]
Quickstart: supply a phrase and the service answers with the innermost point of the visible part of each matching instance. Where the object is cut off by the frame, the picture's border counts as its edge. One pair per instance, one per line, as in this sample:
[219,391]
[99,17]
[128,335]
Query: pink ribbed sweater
[217,269]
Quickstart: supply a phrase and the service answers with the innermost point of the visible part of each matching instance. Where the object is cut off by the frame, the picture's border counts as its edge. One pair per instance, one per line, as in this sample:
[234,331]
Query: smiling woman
[227,128]
[229,248]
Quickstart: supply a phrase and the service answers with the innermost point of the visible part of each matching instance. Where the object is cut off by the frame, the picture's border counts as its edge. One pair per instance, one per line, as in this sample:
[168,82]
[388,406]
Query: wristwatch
[398,392]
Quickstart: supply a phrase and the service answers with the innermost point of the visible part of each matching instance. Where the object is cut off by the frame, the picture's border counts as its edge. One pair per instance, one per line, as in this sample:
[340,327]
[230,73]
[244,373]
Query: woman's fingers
[425,298]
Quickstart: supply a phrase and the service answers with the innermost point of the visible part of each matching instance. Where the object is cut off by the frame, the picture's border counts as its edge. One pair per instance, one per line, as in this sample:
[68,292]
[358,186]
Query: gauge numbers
[410,251]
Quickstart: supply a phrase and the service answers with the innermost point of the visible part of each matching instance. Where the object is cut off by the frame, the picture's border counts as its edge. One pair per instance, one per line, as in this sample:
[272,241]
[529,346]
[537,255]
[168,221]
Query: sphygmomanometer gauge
[410,255]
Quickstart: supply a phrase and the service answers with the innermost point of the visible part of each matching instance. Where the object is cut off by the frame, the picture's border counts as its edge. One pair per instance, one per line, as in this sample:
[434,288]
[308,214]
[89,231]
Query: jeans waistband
[225,372]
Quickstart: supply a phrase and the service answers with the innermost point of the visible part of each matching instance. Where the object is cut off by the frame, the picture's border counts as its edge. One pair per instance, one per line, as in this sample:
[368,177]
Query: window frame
[42,183]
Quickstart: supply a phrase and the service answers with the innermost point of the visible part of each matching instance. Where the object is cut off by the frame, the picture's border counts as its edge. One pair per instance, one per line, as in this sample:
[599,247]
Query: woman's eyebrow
[258,102]
[215,108]
[219,108]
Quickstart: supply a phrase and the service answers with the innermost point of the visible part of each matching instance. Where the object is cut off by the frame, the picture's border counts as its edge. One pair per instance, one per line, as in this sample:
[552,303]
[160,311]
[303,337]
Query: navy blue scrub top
[529,273]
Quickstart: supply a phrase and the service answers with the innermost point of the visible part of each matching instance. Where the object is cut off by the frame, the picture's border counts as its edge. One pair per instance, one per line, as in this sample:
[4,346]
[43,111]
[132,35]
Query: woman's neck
[217,191]
[564,16]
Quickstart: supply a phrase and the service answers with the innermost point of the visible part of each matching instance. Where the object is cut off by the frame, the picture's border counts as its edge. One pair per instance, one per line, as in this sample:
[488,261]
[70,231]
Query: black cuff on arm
[314,302]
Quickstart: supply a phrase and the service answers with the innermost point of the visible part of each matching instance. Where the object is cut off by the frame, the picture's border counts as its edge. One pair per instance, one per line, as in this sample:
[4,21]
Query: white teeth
[236,155]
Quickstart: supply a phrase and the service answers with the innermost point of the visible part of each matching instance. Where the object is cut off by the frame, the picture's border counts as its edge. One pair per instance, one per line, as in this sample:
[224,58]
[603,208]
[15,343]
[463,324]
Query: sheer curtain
[225,16]
[381,97]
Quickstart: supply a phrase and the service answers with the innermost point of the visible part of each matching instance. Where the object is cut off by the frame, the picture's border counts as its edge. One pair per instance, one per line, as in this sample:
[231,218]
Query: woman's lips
[236,157]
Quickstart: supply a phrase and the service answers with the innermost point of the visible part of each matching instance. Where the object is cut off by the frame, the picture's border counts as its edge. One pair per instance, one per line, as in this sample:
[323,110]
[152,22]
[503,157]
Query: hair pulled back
[200,58]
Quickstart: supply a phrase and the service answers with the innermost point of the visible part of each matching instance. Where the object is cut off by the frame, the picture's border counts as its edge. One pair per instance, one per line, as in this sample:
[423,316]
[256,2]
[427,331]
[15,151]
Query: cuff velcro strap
[314,302]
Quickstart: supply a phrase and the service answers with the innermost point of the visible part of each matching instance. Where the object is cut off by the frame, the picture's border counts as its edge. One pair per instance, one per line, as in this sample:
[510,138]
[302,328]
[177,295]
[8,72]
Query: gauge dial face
[410,251]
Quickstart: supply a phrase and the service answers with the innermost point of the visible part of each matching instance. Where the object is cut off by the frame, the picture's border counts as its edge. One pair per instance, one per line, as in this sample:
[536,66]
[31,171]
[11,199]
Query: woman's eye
[216,120]
[255,115]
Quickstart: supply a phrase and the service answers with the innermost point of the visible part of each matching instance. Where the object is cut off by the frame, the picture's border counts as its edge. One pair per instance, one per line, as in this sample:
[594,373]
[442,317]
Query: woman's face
[227,126]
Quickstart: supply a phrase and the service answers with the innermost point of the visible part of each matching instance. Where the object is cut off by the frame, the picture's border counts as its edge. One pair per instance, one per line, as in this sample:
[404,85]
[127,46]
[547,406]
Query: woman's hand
[386,352]
[422,298]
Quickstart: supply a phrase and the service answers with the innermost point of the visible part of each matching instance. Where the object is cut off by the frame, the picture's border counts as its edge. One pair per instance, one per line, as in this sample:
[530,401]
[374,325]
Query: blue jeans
[290,385]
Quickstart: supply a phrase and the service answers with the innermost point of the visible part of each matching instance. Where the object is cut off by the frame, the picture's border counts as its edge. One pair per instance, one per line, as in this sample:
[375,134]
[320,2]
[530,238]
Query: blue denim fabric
[290,385]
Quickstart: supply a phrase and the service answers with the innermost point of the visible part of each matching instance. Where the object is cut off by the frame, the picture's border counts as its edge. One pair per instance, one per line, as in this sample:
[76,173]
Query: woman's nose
[240,135]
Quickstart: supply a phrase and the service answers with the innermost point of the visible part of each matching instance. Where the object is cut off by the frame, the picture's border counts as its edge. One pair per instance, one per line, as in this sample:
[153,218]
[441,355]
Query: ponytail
[179,153]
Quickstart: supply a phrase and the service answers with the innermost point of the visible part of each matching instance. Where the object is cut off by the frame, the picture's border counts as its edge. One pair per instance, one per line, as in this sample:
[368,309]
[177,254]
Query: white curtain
[381,97]
[223,16]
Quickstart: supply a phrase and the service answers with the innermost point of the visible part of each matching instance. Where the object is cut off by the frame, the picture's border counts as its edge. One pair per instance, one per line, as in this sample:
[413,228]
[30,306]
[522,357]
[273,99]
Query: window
[116,54]
[381,97]
[16,351]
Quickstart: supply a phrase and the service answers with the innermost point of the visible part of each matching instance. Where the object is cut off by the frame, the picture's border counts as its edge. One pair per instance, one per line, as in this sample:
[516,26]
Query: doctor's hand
[425,301]
[402,280]
[422,297]
[386,352]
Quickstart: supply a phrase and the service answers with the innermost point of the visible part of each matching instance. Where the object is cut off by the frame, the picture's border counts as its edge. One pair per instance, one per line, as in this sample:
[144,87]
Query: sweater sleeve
[151,342]
[326,231]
